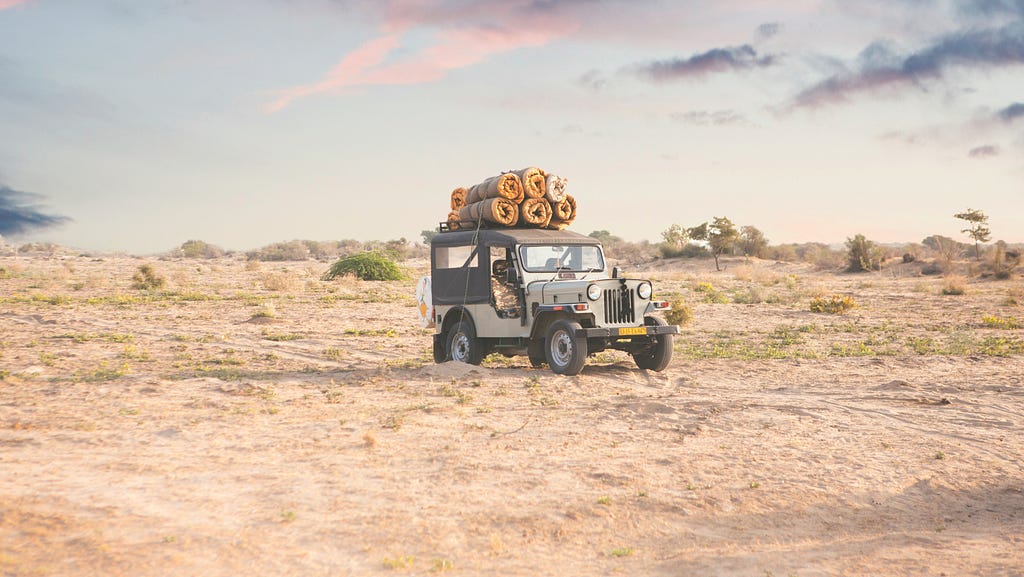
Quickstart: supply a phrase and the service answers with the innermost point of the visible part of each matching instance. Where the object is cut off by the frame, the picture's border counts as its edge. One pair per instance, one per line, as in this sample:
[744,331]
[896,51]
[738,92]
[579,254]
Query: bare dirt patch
[169,432]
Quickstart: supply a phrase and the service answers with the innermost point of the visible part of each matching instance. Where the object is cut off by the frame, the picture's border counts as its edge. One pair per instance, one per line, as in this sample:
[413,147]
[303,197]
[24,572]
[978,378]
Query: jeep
[542,293]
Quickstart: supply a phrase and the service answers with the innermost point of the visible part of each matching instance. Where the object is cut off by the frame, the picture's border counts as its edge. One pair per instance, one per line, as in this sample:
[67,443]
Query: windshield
[552,258]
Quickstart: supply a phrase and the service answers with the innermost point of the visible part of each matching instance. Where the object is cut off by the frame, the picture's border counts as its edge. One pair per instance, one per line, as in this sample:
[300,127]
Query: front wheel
[565,352]
[658,355]
[463,346]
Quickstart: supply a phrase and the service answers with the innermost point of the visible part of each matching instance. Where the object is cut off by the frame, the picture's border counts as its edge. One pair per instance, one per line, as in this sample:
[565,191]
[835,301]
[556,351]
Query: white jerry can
[425,303]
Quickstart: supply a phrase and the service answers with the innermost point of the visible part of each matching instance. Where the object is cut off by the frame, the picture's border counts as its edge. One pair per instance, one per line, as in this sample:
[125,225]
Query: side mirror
[616,272]
[513,276]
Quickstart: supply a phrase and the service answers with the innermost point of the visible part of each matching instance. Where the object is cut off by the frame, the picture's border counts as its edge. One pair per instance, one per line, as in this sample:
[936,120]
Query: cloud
[991,8]
[716,60]
[5,4]
[462,34]
[710,118]
[768,30]
[1011,112]
[985,151]
[593,80]
[880,68]
[18,215]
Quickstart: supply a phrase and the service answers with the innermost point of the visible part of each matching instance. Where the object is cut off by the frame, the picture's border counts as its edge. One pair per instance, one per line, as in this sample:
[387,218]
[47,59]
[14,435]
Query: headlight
[644,290]
[593,292]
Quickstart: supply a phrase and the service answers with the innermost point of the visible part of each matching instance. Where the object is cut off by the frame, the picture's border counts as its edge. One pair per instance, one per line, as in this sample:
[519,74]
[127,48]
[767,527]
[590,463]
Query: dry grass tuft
[283,281]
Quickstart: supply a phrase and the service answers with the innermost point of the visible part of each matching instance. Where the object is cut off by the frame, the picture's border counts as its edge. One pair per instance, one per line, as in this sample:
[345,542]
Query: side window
[448,257]
[499,262]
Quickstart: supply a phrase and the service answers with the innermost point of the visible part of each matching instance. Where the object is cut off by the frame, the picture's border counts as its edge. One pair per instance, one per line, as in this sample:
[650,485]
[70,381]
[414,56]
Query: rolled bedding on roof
[563,213]
[533,180]
[554,188]
[495,210]
[535,212]
[507,186]
[453,220]
[459,198]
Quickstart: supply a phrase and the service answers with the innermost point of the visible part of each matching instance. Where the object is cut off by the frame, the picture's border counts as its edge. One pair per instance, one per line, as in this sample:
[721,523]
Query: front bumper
[628,332]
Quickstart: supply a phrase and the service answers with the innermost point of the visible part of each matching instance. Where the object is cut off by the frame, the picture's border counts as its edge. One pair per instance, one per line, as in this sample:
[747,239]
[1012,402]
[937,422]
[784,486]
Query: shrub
[146,278]
[280,281]
[367,266]
[291,250]
[954,286]
[200,249]
[832,304]
[862,254]
[1004,261]
[994,322]
[711,294]
[680,314]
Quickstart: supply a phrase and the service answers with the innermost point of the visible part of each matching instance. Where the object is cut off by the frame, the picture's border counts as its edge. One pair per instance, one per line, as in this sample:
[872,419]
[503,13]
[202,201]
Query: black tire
[535,350]
[658,355]
[440,353]
[565,352]
[462,344]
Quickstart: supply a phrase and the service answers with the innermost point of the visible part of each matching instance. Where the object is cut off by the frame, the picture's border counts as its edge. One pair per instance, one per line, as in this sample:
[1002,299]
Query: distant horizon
[419,240]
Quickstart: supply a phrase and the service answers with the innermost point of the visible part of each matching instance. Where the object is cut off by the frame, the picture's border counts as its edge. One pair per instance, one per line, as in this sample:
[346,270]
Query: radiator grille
[618,306]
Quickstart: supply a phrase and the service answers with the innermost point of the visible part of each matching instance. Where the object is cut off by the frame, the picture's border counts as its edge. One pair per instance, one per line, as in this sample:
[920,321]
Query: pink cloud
[463,38]
[5,4]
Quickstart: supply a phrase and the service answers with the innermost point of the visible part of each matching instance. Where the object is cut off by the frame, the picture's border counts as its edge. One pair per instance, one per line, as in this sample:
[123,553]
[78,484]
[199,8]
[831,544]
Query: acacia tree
[977,228]
[722,236]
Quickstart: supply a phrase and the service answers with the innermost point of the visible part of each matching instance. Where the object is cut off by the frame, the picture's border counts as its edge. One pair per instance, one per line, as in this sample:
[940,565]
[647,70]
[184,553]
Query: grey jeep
[542,293]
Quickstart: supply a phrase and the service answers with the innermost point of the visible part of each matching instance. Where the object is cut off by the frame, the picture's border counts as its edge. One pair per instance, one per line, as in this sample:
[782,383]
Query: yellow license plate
[633,331]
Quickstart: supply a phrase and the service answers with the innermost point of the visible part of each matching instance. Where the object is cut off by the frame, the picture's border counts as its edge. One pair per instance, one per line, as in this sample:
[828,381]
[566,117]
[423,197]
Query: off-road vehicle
[542,293]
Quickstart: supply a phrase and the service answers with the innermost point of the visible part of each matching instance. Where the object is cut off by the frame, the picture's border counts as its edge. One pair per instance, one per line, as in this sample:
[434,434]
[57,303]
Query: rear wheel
[463,346]
[658,355]
[565,352]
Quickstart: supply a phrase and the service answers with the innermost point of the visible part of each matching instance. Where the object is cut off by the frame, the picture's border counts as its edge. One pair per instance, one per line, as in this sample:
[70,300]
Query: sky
[135,125]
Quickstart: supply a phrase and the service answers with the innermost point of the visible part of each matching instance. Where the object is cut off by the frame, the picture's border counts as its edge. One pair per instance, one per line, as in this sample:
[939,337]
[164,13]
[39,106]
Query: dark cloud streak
[976,48]
[18,215]
[985,151]
[1011,112]
[716,60]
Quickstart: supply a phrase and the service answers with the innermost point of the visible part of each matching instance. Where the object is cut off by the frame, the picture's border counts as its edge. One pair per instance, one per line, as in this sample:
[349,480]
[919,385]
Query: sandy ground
[252,419]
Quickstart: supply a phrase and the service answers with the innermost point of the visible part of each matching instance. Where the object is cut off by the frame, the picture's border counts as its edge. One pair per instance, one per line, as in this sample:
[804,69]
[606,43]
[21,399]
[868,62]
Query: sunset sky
[134,125]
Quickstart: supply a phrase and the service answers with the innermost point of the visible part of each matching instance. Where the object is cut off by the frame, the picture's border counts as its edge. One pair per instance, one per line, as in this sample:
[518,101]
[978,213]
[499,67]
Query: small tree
[722,237]
[752,241]
[977,228]
[676,236]
[673,241]
[428,235]
[862,254]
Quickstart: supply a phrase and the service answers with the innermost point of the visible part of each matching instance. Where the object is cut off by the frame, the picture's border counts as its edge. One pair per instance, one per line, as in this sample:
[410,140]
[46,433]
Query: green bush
[367,266]
[146,278]
[200,249]
[832,304]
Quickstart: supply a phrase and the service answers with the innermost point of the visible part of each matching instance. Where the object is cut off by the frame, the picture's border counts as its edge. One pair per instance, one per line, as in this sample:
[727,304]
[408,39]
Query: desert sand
[251,419]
